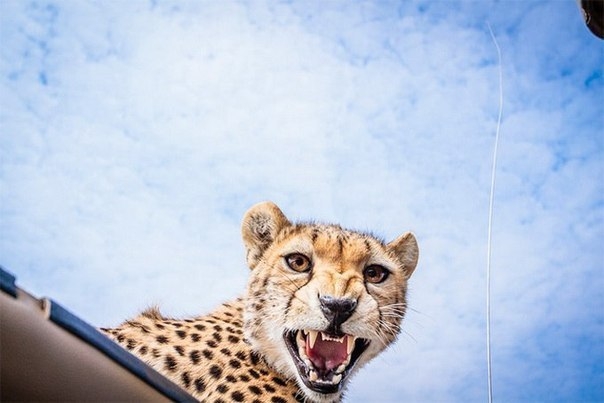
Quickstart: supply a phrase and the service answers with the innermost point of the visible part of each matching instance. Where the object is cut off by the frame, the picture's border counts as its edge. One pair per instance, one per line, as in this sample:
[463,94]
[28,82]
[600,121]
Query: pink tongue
[326,354]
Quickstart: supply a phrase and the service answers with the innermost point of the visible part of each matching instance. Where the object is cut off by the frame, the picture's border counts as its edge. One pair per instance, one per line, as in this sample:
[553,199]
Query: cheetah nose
[337,310]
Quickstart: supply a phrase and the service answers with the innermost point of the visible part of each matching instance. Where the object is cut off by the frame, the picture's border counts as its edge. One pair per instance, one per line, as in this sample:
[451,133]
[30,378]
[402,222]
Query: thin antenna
[490,226]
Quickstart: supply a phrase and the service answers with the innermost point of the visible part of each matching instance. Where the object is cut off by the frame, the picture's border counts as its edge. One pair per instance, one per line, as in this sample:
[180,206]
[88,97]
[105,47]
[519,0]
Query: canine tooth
[347,361]
[301,352]
[313,376]
[312,337]
[307,362]
[336,378]
[341,368]
[350,343]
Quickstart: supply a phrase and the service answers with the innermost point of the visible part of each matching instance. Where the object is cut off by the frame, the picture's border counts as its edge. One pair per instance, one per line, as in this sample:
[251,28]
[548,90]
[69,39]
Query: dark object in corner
[49,354]
[593,13]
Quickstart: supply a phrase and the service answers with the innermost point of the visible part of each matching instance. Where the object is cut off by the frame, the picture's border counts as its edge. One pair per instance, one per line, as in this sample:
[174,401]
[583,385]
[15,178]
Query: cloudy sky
[135,134]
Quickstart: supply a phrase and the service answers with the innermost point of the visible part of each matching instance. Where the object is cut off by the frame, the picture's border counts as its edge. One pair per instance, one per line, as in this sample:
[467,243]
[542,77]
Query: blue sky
[134,135]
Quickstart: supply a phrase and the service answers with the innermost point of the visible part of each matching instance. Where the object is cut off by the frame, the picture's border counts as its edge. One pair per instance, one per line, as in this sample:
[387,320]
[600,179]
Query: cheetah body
[206,355]
[321,302]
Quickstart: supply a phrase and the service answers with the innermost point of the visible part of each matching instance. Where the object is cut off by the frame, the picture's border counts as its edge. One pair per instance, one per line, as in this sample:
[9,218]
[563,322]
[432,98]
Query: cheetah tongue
[327,353]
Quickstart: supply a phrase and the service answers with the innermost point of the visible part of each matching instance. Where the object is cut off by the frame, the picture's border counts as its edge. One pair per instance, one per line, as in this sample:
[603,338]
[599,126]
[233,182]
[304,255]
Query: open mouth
[323,360]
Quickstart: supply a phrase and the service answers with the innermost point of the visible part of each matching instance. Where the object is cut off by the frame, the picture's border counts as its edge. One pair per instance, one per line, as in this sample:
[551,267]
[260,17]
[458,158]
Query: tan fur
[237,353]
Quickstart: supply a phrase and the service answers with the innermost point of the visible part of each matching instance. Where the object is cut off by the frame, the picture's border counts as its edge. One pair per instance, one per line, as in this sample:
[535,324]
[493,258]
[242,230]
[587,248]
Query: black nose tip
[337,310]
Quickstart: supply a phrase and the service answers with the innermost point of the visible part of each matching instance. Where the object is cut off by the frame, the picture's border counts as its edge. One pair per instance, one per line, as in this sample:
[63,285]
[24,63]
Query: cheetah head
[322,301]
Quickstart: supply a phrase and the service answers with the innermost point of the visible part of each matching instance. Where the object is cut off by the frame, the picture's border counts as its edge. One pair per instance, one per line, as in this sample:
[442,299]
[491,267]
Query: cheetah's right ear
[260,226]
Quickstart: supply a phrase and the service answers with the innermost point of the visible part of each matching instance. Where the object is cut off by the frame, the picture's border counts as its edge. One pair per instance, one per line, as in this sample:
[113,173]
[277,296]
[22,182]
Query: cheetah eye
[375,274]
[298,262]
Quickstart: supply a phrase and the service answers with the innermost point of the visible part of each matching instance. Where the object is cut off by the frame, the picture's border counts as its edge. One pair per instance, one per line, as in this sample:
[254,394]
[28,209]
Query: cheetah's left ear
[406,250]
[260,226]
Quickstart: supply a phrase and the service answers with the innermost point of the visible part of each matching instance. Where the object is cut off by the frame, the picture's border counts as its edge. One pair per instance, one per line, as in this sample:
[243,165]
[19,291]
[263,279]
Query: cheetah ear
[260,226]
[405,249]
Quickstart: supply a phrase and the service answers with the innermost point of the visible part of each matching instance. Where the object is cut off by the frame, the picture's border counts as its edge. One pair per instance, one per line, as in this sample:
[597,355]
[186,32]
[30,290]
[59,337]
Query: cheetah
[321,302]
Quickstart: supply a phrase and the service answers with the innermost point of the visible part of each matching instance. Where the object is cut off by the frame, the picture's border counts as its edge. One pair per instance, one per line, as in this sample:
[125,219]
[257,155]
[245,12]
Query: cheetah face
[322,301]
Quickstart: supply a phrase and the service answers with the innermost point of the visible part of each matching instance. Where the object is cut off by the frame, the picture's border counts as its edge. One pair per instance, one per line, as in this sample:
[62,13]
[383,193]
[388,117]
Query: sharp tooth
[350,343]
[307,362]
[341,368]
[313,376]
[312,337]
[336,378]
[301,352]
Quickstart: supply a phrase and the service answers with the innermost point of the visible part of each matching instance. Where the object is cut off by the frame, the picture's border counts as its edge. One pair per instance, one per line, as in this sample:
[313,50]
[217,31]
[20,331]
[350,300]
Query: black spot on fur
[199,327]
[235,364]
[180,350]
[121,338]
[159,326]
[264,372]
[255,358]
[238,396]
[208,354]
[222,388]
[195,357]
[233,339]
[268,388]
[254,373]
[212,343]
[170,362]
[217,337]
[226,352]
[143,350]
[241,355]
[277,399]
[244,378]
[195,337]
[177,325]
[161,339]
[155,353]
[215,371]
[231,378]
[185,379]
[131,344]
[255,389]
[200,385]
[181,333]
[218,328]
[279,381]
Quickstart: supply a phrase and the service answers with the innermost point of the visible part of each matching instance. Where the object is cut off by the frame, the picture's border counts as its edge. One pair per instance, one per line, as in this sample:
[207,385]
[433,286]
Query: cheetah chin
[324,360]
